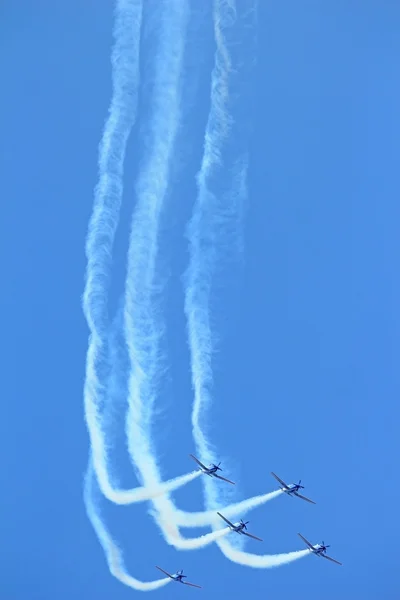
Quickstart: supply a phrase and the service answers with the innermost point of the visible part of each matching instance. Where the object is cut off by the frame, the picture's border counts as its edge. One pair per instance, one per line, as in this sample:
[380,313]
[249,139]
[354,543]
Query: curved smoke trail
[102,229]
[100,239]
[204,239]
[104,220]
[143,336]
[257,561]
[111,550]
[143,327]
[203,245]
[207,517]
[99,245]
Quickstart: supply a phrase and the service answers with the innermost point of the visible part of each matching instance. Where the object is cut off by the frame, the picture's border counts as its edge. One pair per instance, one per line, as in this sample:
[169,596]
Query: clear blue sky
[307,378]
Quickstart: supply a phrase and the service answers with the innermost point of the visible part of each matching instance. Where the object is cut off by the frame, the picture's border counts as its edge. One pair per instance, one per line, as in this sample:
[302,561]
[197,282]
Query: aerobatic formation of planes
[291,489]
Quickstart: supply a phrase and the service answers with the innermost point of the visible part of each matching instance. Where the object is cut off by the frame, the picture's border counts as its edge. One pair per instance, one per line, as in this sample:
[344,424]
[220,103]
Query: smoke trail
[203,242]
[100,240]
[101,233]
[257,561]
[182,518]
[116,390]
[204,518]
[143,328]
[113,553]
[104,220]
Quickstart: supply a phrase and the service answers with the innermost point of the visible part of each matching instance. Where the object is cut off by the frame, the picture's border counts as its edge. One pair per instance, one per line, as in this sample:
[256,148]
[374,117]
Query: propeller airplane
[178,576]
[292,488]
[211,470]
[239,527]
[319,549]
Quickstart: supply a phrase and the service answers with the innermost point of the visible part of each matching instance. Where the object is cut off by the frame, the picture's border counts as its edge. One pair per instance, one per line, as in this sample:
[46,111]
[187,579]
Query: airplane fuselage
[293,487]
[238,528]
[211,470]
[318,549]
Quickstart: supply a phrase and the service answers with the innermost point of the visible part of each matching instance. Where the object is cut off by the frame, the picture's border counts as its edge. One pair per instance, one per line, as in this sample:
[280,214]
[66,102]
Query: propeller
[299,484]
[325,546]
[244,523]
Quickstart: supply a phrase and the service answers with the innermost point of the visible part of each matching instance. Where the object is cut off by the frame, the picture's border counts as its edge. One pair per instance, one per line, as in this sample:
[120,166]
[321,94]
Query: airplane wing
[198,462]
[165,572]
[285,485]
[223,479]
[332,559]
[226,520]
[252,536]
[191,584]
[306,541]
[304,497]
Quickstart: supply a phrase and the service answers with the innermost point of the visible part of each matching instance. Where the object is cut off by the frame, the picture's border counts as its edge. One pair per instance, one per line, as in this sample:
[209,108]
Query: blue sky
[306,378]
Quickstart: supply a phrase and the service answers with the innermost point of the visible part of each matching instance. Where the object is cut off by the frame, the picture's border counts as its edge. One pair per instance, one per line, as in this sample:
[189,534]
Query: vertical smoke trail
[111,550]
[100,239]
[104,220]
[102,228]
[143,327]
[205,233]
[203,240]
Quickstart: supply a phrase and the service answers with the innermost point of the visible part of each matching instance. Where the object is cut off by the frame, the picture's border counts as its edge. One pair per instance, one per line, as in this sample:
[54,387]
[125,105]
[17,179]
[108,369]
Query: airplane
[178,576]
[211,470]
[319,549]
[292,488]
[239,527]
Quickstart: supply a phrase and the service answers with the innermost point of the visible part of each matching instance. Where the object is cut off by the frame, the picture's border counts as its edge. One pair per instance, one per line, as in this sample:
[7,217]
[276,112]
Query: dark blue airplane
[292,488]
[211,470]
[319,549]
[178,576]
[239,527]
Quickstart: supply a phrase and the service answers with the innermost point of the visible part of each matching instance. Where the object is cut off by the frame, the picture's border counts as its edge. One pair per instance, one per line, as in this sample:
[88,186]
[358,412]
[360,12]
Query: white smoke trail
[111,550]
[204,518]
[142,327]
[100,239]
[182,518]
[99,245]
[143,330]
[257,561]
[203,237]
[203,241]
[104,220]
